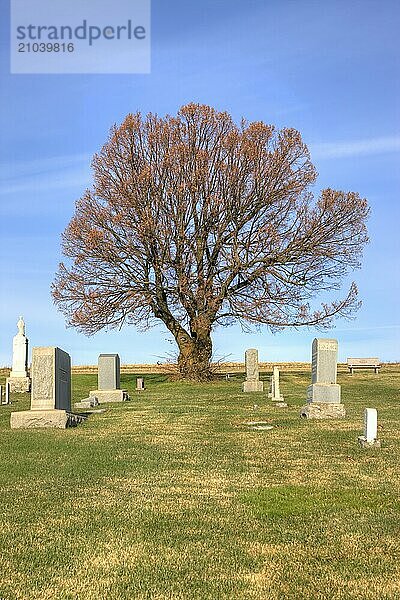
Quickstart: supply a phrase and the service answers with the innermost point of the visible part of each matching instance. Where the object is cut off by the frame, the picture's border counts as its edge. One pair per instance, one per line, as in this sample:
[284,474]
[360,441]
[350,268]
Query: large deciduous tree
[196,221]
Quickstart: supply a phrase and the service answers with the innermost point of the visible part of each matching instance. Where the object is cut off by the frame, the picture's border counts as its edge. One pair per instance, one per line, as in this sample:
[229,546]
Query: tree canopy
[197,221]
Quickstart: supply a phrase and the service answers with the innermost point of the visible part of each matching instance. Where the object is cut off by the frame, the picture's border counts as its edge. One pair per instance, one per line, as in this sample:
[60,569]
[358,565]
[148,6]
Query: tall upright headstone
[51,379]
[252,383]
[323,395]
[108,380]
[19,379]
[51,391]
[274,387]
[108,375]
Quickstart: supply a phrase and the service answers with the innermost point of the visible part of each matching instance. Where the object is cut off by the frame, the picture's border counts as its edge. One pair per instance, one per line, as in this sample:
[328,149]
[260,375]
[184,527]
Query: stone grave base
[328,410]
[19,385]
[276,398]
[87,402]
[364,443]
[253,386]
[38,419]
[110,395]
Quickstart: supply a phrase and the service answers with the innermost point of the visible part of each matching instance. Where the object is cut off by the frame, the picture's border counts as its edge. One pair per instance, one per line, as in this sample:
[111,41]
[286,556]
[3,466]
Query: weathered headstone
[108,380]
[19,376]
[252,383]
[370,437]
[323,395]
[139,384]
[51,391]
[274,389]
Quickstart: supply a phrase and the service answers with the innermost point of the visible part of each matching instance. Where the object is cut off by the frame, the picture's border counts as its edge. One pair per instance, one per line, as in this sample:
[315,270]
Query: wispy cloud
[380,145]
[36,185]
[37,166]
[75,178]
[372,328]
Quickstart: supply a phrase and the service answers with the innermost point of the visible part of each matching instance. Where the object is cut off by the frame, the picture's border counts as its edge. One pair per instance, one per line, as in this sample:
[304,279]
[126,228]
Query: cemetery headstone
[19,379]
[370,437]
[274,389]
[7,395]
[109,367]
[108,380]
[51,391]
[252,383]
[323,395]
[139,384]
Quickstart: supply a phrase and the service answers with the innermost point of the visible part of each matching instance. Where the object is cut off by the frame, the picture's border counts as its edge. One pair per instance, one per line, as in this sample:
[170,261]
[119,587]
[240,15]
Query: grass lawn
[172,496]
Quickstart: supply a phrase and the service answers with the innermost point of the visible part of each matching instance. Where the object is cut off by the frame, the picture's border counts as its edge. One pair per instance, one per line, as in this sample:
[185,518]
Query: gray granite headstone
[51,379]
[51,392]
[324,360]
[109,372]
[323,372]
[323,395]
[109,380]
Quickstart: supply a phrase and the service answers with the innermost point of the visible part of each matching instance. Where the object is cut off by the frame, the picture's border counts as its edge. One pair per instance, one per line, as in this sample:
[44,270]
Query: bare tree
[198,222]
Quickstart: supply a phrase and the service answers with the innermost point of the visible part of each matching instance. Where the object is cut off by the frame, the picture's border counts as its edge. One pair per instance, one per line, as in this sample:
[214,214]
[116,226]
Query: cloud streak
[366,147]
[25,180]
[42,174]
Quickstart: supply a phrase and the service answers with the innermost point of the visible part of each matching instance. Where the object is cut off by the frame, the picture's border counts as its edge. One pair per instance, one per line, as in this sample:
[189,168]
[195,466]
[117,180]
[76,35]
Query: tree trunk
[195,346]
[195,352]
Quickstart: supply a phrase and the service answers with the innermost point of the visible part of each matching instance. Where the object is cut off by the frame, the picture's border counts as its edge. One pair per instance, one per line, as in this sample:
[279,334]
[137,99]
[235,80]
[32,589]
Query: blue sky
[329,69]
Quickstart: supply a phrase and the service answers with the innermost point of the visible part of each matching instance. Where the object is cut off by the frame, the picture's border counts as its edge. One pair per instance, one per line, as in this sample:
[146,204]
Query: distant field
[166,368]
[173,496]
[222,368]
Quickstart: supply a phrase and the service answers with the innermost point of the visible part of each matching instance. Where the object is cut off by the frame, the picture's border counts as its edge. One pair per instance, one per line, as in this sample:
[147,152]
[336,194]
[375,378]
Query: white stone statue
[19,377]
[21,326]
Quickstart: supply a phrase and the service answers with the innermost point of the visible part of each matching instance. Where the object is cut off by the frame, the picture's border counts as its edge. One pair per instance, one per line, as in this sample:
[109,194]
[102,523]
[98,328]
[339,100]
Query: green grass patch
[172,496]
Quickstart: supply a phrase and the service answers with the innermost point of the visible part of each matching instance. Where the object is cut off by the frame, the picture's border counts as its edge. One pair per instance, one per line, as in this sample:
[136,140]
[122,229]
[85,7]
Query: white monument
[370,437]
[19,379]
[323,395]
[274,389]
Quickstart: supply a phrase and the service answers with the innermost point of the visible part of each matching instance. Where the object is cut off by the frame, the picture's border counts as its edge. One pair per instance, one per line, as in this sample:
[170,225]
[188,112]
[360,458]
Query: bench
[363,363]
